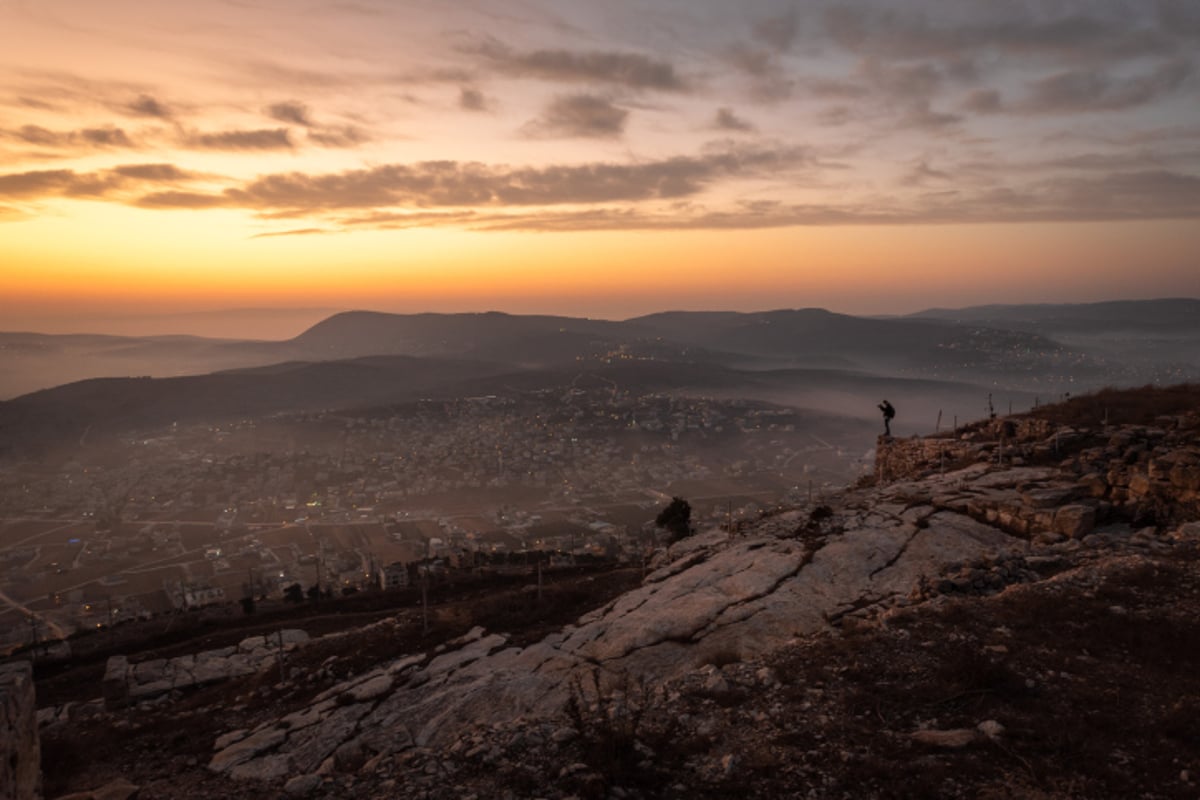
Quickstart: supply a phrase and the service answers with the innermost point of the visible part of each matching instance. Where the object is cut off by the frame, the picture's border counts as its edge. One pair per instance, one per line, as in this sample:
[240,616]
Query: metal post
[425,602]
[938,425]
[279,655]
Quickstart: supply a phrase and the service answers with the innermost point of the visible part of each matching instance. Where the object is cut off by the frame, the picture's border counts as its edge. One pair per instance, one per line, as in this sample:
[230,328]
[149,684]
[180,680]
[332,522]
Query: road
[48,623]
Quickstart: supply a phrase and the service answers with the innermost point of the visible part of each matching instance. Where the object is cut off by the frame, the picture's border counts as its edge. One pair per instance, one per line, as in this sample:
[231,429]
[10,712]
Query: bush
[676,518]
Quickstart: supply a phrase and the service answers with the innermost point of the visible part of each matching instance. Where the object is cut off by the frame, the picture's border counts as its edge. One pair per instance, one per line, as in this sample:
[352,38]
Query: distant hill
[534,340]
[115,405]
[1140,333]
[807,357]
[1175,314]
[814,331]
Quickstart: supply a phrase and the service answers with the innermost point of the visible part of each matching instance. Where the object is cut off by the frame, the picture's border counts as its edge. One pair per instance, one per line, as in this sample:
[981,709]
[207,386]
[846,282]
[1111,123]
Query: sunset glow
[598,159]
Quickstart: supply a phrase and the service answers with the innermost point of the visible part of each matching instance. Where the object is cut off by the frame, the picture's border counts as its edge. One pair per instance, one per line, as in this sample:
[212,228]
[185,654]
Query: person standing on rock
[888,414]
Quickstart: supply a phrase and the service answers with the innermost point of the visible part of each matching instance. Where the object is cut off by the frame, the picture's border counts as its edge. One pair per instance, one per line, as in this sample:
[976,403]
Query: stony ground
[956,636]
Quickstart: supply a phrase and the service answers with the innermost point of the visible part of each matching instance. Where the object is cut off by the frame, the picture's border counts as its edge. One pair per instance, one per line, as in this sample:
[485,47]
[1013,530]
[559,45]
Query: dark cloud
[631,70]
[147,106]
[922,173]
[87,137]
[162,173]
[779,32]
[33,102]
[919,114]
[36,183]
[105,137]
[983,101]
[57,182]
[1106,32]
[293,112]
[726,120]
[1144,194]
[902,80]
[453,183]
[344,137]
[580,116]
[34,134]
[1182,17]
[111,183]
[1118,196]
[770,81]
[268,139]
[1094,90]
[472,100]
[181,200]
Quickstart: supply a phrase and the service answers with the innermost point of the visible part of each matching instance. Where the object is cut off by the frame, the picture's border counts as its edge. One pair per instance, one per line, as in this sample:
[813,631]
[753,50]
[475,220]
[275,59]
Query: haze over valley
[373,439]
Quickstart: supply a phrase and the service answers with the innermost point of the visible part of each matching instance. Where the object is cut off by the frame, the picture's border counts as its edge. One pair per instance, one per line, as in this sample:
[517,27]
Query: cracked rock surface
[747,593]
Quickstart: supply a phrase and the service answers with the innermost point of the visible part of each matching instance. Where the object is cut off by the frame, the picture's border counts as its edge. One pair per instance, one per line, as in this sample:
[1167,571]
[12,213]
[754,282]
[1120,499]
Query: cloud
[771,82]
[630,70]
[1113,197]
[38,182]
[56,182]
[110,183]
[87,137]
[901,80]
[470,184]
[778,32]
[267,139]
[106,137]
[293,112]
[922,173]
[344,137]
[983,101]
[580,116]
[472,100]
[1104,33]
[296,232]
[181,200]
[147,106]
[1091,90]
[153,172]
[919,114]
[726,120]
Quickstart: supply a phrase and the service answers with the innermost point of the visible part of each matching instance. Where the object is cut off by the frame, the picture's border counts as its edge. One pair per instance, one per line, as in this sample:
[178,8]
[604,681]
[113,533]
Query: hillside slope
[1022,628]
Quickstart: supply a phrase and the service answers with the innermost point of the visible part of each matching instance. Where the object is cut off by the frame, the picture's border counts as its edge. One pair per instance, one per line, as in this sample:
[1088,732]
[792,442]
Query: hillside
[1013,618]
[1024,347]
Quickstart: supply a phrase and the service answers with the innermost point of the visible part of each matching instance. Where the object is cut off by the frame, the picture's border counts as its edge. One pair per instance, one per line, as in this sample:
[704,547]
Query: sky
[159,161]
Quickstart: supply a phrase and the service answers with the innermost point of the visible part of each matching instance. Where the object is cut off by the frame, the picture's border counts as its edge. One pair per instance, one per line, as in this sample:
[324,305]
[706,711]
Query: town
[263,510]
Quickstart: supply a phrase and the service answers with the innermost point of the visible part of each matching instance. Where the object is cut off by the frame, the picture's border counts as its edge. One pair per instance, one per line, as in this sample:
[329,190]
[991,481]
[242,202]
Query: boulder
[1075,521]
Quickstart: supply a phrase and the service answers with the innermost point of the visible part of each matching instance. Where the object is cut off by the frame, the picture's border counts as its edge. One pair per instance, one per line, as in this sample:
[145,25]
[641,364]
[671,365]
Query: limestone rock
[20,758]
[1075,521]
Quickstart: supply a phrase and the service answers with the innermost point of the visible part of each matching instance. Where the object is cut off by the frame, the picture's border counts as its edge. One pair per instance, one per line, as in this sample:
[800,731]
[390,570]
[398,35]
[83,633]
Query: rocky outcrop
[984,529]
[125,682]
[710,596]
[20,760]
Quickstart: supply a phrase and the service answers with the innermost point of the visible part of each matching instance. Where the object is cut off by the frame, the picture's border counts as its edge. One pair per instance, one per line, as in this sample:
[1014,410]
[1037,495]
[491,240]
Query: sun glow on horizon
[447,159]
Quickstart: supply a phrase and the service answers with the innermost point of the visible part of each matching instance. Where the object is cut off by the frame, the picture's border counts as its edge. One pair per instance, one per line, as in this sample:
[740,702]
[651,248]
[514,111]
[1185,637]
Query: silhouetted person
[889,413]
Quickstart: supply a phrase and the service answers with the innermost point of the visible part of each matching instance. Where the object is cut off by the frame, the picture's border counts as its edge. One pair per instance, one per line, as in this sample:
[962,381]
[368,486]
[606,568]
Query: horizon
[602,162]
[277,324]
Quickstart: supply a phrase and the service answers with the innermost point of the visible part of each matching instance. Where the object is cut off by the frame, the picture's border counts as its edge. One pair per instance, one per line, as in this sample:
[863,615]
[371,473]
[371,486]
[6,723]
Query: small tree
[676,518]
